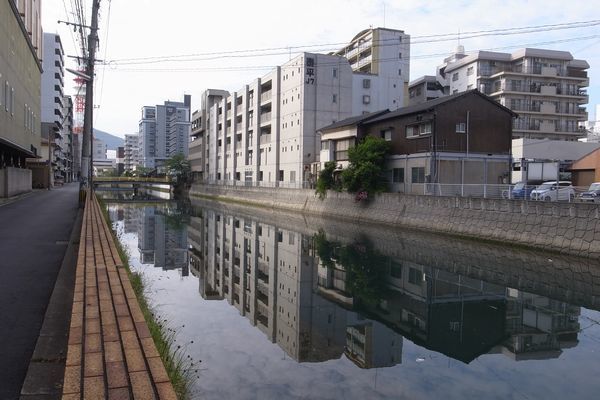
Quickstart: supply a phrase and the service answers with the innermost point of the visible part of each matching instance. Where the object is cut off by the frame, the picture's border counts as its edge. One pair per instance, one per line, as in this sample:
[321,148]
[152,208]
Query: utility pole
[87,140]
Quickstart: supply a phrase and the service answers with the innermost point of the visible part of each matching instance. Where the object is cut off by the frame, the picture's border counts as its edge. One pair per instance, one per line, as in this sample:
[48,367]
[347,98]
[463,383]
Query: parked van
[522,190]
[554,191]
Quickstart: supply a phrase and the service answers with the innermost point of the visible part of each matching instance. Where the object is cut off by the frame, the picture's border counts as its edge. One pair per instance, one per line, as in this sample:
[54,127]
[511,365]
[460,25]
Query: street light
[80,74]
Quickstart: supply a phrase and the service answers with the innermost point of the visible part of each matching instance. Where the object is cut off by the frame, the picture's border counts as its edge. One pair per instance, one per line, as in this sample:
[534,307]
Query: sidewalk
[111,353]
[34,234]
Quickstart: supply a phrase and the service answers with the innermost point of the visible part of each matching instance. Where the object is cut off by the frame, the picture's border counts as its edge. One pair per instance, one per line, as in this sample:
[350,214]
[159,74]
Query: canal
[286,306]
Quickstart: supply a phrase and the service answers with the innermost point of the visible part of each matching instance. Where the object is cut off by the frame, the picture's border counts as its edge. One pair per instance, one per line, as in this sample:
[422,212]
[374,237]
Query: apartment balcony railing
[264,139]
[238,109]
[265,117]
[266,96]
[535,70]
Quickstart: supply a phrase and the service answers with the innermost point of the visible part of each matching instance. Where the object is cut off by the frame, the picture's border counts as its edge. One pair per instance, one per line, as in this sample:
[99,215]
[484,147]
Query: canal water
[286,306]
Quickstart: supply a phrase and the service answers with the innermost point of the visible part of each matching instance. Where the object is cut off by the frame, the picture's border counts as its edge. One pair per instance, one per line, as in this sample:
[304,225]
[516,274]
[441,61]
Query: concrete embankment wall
[14,181]
[571,228]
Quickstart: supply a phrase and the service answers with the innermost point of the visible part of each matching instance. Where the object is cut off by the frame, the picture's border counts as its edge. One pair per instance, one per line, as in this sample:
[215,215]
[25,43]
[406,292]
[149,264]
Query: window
[461,127]
[396,270]
[398,175]
[334,72]
[400,71]
[292,176]
[334,98]
[418,175]
[325,144]
[366,83]
[341,149]
[470,71]
[400,56]
[414,276]
[260,176]
[455,77]
[281,175]
[366,99]
[386,134]
[423,128]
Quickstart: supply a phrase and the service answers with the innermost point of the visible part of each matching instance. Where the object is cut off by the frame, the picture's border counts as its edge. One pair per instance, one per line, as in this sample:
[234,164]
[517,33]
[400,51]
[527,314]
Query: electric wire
[428,39]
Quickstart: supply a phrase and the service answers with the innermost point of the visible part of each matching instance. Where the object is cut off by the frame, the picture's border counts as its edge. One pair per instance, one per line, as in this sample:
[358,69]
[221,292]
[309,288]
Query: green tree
[178,166]
[141,170]
[326,180]
[367,166]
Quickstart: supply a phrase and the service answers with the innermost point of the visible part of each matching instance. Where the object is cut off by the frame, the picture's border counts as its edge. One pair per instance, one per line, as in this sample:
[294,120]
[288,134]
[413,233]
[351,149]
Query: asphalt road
[34,232]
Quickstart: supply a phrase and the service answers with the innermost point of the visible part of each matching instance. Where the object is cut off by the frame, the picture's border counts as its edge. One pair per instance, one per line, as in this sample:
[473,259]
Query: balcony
[266,96]
[265,139]
[265,118]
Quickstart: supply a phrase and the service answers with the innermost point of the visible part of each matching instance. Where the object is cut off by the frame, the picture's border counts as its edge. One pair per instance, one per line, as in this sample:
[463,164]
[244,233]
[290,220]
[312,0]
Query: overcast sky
[138,29]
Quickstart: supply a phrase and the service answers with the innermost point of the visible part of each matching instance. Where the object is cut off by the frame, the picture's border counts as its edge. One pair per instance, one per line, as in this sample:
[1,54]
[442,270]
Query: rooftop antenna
[384,14]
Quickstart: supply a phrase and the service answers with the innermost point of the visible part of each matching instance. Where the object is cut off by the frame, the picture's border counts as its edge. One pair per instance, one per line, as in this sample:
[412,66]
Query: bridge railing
[126,179]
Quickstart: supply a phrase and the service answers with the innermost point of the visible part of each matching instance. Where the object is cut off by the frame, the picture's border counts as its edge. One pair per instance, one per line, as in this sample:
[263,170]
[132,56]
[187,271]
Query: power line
[104,66]
[429,39]
[391,59]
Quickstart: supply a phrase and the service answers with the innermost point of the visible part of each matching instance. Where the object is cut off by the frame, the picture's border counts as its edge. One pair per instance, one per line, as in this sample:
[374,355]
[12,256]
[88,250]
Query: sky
[134,29]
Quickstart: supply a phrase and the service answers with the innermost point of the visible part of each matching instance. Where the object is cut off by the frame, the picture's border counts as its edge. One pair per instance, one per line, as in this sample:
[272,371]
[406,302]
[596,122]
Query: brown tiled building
[441,146]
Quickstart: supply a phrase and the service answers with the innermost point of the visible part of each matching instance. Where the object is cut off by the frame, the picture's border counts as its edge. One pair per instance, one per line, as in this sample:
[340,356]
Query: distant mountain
[112,141]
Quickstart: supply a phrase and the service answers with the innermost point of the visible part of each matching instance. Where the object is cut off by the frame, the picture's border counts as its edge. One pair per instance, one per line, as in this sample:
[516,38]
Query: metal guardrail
[549,193]
[495,191]
[131,179]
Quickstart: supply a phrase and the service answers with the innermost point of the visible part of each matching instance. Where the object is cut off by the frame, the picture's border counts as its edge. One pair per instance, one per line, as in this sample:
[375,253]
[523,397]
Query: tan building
[586,170]
[20,76]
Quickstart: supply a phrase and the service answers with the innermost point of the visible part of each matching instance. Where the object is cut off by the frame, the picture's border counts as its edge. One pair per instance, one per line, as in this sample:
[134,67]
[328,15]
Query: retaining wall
[14,181]
[572,228]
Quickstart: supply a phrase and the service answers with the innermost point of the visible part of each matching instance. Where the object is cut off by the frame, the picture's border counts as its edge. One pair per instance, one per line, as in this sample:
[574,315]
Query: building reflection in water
[318,298]
[161,232]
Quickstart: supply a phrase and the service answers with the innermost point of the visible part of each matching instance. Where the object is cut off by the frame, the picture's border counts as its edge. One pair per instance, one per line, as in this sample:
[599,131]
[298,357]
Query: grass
[181,368]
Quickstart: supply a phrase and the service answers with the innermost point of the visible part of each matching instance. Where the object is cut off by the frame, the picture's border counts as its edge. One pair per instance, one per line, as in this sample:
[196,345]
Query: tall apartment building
[20,77]
[164,131]
[131,159]
[379,59]
[545,87]
[56,139]
[265,134]
[69,151]
[199,131]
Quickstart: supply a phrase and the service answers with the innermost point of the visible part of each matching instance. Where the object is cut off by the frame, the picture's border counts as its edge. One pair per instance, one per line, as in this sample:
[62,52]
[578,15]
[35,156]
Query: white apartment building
[379,59]
[164,131]
[265,134]
[55,120]
[131,152]
[545,87]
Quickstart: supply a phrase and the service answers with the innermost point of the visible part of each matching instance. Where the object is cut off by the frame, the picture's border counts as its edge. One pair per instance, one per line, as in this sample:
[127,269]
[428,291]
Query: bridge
[137,180]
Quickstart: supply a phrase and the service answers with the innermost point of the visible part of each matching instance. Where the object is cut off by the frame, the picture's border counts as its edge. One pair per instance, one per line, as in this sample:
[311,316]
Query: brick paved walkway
[111,354]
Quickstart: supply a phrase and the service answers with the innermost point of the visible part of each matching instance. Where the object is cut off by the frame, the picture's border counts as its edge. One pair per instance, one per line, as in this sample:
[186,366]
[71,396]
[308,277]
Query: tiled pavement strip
[111,354]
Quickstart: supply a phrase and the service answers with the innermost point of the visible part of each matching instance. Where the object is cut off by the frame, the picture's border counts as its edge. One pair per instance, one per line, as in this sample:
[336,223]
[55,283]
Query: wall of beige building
[20,75]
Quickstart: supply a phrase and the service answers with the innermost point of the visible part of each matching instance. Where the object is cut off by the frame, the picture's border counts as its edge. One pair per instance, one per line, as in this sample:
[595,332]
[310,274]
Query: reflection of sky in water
[240,362]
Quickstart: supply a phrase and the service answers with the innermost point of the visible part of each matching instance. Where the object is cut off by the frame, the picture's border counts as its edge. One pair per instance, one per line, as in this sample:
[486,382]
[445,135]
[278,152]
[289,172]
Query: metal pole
[50,134]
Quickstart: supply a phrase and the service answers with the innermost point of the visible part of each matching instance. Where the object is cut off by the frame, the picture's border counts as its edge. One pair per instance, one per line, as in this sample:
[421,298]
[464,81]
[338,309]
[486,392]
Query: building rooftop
[521,53]
[429,105]
[354,120]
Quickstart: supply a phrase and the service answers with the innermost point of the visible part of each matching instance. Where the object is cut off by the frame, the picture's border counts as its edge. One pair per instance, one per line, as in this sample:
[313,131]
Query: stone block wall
[571,228]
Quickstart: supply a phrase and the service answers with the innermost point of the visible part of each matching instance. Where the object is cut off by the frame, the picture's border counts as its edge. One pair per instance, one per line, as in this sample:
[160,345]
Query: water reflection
[328,292]
[318,298]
